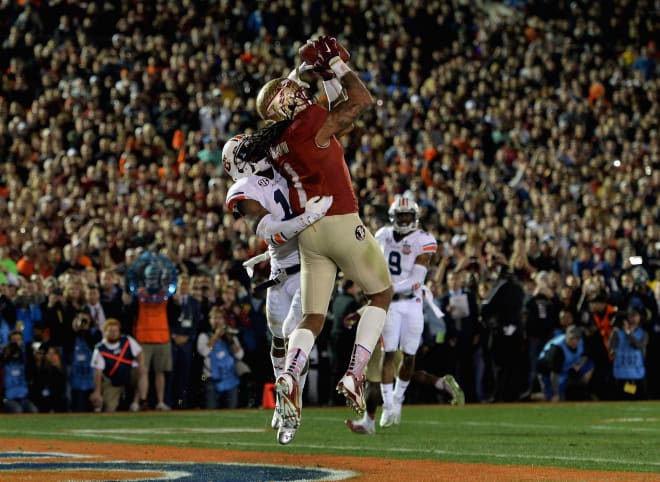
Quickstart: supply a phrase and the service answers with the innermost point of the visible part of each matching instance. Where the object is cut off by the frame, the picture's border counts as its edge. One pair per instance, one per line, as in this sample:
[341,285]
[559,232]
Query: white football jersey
[401,255]
[273,195]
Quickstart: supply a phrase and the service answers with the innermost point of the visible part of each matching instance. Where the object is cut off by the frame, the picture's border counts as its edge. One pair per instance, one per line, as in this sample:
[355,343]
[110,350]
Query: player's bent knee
[313,322]
[382,299]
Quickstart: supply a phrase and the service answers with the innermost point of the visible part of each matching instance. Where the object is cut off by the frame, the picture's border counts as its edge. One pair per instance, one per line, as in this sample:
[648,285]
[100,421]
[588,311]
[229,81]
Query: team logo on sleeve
[263,182]
[360,233]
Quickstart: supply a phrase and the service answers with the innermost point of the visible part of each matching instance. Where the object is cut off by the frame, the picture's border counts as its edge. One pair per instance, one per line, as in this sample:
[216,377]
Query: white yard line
[127,437]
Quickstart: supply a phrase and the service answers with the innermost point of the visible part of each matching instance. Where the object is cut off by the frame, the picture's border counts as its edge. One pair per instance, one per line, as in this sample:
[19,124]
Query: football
[308,52]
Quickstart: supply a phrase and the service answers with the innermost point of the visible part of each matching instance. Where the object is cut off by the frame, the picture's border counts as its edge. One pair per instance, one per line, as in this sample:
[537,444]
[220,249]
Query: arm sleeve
[276,232]
[333,89]
[555,358]
[415,280]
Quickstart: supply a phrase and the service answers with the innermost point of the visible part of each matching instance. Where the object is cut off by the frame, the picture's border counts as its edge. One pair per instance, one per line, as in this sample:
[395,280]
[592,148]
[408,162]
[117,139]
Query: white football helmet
[281,99]
[403,205]
[235,161]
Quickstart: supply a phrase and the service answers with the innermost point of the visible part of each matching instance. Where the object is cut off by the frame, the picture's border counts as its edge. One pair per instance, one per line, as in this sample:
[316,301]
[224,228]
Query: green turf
[605,436]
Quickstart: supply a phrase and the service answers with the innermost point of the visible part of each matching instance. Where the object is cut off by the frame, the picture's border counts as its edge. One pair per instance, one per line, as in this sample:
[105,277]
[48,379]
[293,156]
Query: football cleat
[275,421]
[396,410]
[451,385]
[353,390]
[362,427]
[287,405]
[387,417]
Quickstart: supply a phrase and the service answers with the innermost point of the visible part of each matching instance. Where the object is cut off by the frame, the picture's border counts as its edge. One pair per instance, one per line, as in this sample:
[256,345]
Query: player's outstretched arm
[341,117]
[276,232]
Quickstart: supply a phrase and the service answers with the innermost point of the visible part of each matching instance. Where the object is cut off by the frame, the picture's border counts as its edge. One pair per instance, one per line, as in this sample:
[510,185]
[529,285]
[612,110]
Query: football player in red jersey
[307,153]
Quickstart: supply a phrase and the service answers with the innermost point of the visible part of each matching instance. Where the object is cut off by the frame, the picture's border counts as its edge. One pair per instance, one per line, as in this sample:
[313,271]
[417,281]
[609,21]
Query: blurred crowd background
[527,131]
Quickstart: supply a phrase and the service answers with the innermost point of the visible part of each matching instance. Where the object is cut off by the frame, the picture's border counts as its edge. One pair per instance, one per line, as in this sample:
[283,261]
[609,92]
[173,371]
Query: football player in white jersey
[261,195]
[408,251]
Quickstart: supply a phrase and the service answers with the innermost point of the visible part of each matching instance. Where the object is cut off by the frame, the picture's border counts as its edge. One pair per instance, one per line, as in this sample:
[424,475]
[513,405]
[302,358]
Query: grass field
[592,436]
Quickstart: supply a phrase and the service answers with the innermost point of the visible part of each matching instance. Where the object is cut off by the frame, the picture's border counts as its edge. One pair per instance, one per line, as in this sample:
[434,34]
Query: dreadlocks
[263,139]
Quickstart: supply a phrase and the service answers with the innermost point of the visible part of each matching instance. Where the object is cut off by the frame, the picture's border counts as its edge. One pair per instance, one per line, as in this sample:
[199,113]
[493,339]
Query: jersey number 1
[281,199]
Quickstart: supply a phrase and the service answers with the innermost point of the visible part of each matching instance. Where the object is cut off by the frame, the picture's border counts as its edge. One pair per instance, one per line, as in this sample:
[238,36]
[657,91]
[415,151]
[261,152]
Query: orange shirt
[25,267]
[152,326]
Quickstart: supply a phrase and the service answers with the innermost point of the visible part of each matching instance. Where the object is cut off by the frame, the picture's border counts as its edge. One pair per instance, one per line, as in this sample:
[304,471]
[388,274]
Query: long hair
[262,140]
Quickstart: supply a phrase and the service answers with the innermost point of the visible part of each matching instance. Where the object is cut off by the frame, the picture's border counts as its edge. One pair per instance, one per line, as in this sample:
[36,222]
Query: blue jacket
[223,367]
[629,361]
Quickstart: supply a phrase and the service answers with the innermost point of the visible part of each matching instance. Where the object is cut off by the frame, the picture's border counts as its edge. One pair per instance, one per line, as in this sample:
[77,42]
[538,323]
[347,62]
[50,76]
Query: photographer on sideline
[627,345]
[18,361]
[222,351]
[562,360]
[87,335]
[118,364]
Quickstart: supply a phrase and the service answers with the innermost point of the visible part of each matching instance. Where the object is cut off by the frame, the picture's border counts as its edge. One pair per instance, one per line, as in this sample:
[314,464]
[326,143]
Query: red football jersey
[311,170]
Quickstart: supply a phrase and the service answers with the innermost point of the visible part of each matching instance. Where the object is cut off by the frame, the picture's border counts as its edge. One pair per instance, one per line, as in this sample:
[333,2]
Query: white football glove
[295,74]
[250,263]
[316,207]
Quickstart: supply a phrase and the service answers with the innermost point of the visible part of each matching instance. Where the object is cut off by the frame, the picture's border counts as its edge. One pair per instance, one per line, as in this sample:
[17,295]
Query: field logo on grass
[29,465]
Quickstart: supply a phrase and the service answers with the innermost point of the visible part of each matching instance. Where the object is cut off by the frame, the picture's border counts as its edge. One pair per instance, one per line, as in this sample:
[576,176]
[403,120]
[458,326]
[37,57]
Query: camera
[81,321]
[231,331]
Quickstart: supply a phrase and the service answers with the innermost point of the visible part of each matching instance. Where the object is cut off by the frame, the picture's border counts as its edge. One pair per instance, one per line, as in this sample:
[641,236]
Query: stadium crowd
[527,132]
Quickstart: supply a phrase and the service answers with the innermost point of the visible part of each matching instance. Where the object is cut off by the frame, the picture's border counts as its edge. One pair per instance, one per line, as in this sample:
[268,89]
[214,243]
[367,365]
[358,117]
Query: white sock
[440,385]
[301,380]
[400,388]
[387,391]
[300,344]
[369,327]
[279,363]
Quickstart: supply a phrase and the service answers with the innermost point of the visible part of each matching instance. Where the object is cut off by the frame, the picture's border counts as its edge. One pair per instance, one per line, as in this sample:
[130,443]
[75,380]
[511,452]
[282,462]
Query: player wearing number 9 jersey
[408,251]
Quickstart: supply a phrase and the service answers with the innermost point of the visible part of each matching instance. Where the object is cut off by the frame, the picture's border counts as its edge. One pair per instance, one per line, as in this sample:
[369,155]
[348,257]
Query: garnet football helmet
[406,206]
[281,99]
[235,158]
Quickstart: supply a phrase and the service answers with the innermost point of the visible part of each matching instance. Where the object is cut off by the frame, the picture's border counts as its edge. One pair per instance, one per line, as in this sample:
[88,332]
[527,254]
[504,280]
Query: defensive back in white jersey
[401,255]
[273,195]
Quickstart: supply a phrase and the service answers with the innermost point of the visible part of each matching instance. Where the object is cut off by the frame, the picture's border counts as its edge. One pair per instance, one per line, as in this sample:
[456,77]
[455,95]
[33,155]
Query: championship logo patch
[360,233]
[406,249]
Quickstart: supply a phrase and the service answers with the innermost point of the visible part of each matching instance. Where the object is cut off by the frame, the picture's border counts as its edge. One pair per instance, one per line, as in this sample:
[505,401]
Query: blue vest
[223,367]
[118,365]
[16,386]
[570,357]
[82,373]
[29,316]
[4,332]
[628,360]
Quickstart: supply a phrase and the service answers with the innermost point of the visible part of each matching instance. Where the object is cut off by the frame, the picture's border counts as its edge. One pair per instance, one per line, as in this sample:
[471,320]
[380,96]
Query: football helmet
[281,99]
[403,205]
[235,158]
